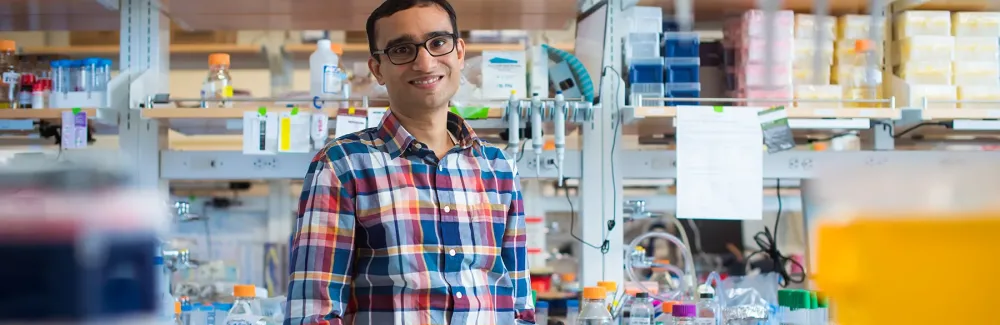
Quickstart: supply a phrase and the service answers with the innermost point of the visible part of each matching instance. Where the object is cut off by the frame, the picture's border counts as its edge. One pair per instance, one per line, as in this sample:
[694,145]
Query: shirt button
[451,252]
[458,295]
[447,209]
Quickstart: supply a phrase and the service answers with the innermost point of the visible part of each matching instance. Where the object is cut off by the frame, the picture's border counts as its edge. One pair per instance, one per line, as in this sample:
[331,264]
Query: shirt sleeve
[515,255]
[322,248]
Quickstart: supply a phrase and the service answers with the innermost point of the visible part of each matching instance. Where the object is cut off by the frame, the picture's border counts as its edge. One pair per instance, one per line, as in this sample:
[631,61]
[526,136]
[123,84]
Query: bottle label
[639,321]
[11,78]
[332,79]
[704,321]
[227,92]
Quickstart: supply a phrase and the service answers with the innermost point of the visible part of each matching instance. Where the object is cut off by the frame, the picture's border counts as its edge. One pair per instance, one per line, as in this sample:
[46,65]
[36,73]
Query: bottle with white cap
[326,79]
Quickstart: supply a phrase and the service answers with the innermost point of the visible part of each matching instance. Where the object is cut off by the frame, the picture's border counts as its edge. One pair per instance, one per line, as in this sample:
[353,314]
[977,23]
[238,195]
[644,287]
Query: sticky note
[284,139]
[718,109]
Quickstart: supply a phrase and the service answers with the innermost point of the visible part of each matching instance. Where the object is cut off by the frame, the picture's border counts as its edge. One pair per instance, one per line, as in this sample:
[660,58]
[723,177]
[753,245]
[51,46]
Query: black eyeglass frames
[405,53]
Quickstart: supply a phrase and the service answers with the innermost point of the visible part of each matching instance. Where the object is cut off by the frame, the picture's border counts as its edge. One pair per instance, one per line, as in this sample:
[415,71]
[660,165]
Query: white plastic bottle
[326,79]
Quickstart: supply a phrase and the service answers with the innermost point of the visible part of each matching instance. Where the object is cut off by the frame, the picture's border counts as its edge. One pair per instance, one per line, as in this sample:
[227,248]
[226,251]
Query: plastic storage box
[754,24]
[805,26]
[642,46]
[923,23]
[977,49]
[854,27]
[805,76]
[844,52]
[927,72]
[682,90]
[938,96]
[983,73]
[646,19]
[818,96]
[682,70]
[756,75]
[979,93]
[756,51]
[927,48]
[648,88]
[983,24]
[805,52]
[680,44]
[646,70]
[766,97]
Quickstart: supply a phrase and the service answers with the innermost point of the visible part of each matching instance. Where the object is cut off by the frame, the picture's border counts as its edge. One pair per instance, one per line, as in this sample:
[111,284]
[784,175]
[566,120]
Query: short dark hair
[389,7]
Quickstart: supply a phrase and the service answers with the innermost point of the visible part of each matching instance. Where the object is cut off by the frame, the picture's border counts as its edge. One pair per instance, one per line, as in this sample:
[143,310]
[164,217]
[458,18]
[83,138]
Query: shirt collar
[397,140]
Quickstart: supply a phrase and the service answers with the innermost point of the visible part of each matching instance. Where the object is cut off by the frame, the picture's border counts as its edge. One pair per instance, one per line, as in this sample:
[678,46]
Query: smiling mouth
[426,81]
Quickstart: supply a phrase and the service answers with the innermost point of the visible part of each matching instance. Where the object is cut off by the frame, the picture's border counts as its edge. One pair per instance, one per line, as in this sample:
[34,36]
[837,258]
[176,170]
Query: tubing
[687,277]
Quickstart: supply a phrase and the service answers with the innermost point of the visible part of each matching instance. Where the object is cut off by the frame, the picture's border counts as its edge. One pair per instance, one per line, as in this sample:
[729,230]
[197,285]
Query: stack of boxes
[747,72]
[850,67]
[811,83]
[642,55]
[662,62]
[926,55]
[977,57]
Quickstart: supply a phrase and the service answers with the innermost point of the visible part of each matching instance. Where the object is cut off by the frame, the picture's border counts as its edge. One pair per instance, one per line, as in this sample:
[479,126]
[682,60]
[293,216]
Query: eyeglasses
[405,53]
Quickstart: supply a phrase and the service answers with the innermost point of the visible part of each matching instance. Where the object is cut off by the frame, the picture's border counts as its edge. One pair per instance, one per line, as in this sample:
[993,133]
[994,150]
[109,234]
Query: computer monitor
[589,47]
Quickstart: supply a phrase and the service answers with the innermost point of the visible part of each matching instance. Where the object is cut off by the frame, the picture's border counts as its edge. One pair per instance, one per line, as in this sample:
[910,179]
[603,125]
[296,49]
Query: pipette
[536,130]
[559,130]
[514,123]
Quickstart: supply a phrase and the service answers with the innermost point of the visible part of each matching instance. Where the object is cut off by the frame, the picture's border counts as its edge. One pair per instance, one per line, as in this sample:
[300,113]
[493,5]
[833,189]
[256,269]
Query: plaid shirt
[389,234]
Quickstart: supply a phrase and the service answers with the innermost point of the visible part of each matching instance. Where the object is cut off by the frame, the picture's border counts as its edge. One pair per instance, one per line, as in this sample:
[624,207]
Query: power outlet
[549,163]
[265,163]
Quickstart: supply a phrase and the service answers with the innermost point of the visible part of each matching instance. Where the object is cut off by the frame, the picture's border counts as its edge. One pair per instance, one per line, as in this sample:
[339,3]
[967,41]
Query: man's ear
[374,65]
[460,50]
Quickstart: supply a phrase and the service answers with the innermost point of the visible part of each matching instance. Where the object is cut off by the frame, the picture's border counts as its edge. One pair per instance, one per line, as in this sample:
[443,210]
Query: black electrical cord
[768,243]
[520,151]
[920,125]
[572,227]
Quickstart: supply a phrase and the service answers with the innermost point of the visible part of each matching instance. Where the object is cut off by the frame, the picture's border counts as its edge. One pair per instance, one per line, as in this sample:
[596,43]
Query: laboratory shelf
[41,114]
[363,48]
[961,113]
[237,112]
[641,112]
[114,50]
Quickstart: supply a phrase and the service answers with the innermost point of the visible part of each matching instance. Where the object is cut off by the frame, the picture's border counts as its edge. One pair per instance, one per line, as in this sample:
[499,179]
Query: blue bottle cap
[541,305]
[573,304]
[92,61]
[223,306]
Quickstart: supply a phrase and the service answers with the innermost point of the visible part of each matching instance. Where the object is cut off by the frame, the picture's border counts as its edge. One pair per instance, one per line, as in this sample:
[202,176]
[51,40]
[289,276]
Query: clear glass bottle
[641,310]
[541,313]
[10,85]
[707,308]
[246,308]
[865,79]
[611,290]
[666,316]
[595,309]
[572,311]
[685,314]
[218,86]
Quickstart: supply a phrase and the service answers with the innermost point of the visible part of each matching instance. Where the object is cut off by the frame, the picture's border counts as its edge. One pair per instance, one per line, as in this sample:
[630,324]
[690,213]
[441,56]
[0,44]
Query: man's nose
[425,61]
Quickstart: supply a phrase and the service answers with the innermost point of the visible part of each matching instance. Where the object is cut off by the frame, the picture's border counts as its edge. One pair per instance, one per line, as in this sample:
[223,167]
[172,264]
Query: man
[416,221]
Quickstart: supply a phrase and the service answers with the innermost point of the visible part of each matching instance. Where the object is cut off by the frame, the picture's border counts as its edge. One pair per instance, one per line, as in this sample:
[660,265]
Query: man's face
[429,81]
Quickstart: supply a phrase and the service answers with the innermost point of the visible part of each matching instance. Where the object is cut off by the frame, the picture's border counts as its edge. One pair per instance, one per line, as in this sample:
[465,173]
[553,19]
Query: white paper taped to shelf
[375,115]
[74,130]
[293,133]
[260,133]
[719,163]
[347,124]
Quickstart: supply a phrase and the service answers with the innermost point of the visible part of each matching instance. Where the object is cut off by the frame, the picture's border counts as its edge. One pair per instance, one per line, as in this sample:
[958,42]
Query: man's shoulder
[499,159]
[347,145]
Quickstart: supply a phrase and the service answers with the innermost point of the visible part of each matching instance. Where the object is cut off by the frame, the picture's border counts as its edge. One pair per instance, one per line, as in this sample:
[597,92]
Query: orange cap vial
[177,307]
[8,46]
[863,45]
[218,59]
[595,293]
[244,291]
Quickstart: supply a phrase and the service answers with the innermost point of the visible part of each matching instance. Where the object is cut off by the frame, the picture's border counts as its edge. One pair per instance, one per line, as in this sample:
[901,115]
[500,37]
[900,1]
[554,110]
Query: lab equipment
[685,314]
[326,79]
[687,277]
[572,311]
[186,309]
[641,310]
[246,308]
[218,86]
[559,129]
[795,306]
[610,293]
[513,115]
[60,76]
[749,300]
[594,310]
[541,312]
[178,310]
[865,80]
[707,306]
[666,313]
[536,130]
[10,84]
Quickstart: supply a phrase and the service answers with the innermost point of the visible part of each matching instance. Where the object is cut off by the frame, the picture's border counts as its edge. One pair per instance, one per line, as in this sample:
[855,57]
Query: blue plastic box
[682,90]
[682,70]
[647,70]
[681,44]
